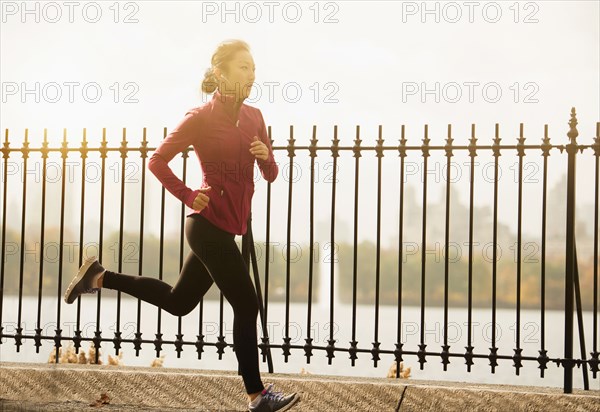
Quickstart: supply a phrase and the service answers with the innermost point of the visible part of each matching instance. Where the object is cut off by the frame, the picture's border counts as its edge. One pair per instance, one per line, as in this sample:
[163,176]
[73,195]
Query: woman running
[228,137]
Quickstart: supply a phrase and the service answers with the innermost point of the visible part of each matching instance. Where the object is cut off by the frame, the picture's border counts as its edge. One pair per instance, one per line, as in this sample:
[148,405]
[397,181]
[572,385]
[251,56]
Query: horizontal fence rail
[422,352]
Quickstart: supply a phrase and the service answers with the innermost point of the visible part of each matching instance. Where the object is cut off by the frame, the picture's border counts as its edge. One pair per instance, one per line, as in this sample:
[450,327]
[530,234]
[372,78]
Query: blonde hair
[221,58]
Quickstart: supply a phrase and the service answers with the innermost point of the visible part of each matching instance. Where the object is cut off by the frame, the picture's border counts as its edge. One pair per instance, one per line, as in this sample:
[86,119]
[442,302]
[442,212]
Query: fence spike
[356,149]
[449,141]
[521,141]
[596,145]
[313,142]
[123,148]
[291,141]
[402,146]
[44,148]
[546,146]
[379,147]
[5,149]
[473,142]
[25,148]
[334,148]
[573,133]
[426,141]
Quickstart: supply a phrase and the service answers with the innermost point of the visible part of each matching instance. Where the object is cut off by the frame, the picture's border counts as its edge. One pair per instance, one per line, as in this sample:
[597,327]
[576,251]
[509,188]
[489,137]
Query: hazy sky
[354,63]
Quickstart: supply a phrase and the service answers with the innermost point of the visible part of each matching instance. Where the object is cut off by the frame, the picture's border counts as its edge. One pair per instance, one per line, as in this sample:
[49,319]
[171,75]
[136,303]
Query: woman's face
[239,78]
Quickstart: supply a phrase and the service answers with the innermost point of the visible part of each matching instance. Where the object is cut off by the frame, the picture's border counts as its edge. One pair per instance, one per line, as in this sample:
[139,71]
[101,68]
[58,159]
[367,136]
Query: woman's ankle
[100,280]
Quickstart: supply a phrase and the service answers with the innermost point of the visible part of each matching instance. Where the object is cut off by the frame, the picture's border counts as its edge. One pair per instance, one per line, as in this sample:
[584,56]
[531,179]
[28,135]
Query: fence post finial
[573,133]
[570,257]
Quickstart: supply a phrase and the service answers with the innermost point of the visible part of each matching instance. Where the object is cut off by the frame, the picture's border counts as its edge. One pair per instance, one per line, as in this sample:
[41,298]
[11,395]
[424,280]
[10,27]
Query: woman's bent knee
[178,308]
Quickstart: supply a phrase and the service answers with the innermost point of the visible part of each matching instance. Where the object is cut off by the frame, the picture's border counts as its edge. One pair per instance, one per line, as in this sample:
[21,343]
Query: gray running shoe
[274,401]
[83,282]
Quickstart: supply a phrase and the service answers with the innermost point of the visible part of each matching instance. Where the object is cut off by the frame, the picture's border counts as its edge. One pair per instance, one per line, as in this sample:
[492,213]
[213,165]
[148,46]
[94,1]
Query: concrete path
[73,387]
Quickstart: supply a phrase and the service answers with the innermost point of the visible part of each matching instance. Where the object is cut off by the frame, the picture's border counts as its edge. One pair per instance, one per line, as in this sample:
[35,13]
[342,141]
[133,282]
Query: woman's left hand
[259,149]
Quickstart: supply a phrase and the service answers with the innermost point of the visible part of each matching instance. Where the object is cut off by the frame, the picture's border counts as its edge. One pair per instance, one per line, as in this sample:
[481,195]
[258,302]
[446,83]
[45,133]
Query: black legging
[214,257]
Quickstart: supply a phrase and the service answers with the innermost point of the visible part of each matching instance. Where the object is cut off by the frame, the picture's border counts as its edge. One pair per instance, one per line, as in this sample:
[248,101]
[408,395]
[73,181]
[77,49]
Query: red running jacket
[221,138]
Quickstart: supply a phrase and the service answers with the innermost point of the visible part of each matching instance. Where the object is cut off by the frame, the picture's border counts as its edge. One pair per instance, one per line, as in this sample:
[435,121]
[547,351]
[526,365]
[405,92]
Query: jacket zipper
[240,137]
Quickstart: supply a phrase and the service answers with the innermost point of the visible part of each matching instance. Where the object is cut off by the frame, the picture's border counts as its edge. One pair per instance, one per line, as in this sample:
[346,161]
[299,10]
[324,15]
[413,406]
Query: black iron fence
[572,293]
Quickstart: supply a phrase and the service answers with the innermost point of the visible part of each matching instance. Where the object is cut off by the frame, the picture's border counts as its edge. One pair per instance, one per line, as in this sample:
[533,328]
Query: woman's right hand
[201,201]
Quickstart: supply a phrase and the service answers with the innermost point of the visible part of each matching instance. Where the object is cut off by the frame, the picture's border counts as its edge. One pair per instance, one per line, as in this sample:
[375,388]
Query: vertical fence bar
[98,334]
[5,156]
[179,335]
[399,344]
[161,252]
[472,155]
[521,154]
[123,151]
[595,355]
[199,344]
[496,150]
[265,338]
[543,358]
[18,334]
[445,346]
[38,329]
[64,153]
[586,382]
[137,341]
[221,343]
[570,253]
[422,345]
[354,343]
[286,339]
[330,348]
[313,153]
[259,297]
[376,343]
[83,151]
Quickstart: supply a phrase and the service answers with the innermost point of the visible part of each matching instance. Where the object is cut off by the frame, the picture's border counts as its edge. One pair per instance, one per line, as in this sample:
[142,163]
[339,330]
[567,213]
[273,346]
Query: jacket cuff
[269,159]
[189,199]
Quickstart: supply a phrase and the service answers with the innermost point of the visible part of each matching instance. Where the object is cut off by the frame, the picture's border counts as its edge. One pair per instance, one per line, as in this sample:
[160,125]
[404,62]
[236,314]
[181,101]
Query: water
[530,338]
